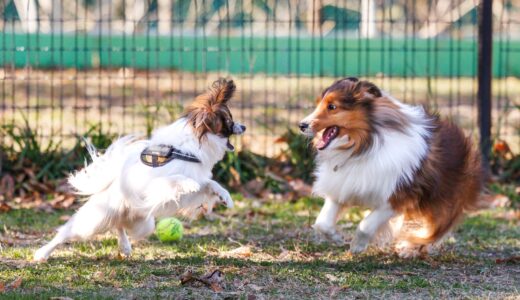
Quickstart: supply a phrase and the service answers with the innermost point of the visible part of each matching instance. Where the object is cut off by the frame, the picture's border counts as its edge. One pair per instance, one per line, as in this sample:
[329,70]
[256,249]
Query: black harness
[159,155]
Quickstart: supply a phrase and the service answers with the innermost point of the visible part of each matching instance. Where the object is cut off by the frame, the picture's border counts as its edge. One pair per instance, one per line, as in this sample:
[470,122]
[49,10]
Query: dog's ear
[203,113]
[367,88]
[202,118]
[222,90]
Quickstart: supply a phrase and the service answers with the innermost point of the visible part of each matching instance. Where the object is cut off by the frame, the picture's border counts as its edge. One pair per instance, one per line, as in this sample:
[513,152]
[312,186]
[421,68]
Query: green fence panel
[304,56]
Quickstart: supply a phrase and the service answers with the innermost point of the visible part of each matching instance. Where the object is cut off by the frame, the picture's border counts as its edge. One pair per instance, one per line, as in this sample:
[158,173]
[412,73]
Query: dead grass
[266,250]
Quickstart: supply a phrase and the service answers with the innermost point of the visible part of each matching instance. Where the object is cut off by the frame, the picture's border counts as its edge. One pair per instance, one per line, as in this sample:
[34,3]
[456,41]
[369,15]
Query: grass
[286,260]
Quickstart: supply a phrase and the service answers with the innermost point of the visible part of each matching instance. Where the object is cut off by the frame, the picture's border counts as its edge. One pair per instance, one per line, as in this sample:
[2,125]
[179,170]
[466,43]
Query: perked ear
[366,87]
[203,120]
[202,113]
[222,90]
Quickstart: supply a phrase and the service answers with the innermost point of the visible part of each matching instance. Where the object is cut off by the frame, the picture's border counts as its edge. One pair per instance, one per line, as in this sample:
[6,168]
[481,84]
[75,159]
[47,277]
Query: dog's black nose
[303,126]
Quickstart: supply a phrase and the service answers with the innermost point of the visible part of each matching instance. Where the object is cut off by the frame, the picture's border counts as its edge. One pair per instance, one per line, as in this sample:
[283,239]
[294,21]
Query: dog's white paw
[359,243]
[125,250]
[330,233]
[188,186]
[224,198]
[408,250]
[41,255]
[357,247]
[210,216]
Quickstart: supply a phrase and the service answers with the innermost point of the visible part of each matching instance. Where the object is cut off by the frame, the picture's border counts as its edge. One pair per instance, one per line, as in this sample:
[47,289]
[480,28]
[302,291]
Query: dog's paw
[359,243]
[209,216]
[408,250]
[125,251]
[330,233]
[224,198]
[357,247]
[188,186]
[41,255]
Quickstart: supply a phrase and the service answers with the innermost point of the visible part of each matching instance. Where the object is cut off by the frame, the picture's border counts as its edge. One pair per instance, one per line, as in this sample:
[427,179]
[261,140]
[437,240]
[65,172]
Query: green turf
[286,260]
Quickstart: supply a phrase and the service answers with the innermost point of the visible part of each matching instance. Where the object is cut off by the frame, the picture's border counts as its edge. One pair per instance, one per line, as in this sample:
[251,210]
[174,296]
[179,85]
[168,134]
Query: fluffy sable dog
[137,180]
[399,161]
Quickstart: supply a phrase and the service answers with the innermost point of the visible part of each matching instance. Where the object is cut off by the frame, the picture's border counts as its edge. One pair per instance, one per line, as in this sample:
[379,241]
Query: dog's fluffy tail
[454,185]
[103,170]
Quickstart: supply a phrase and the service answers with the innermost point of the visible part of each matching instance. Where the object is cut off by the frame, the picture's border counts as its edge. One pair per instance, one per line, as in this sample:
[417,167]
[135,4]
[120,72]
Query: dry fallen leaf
[242,251]
[2,287]
[216,287]
[333,291]
[7,184]
[331,277]
[4,207]
[255,287]
[285,254]
[300,187]
[512,259]
[99,276]
[213,279]
[14,284]
[280,139]
[65,218]
[186,277]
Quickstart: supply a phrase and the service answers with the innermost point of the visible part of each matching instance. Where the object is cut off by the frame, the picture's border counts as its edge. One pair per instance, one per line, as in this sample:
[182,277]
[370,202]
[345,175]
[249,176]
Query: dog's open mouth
[327,137]
[230,146]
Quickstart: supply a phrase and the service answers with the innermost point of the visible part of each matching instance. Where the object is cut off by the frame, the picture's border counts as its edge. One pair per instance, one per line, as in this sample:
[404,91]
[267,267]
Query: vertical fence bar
[485,47]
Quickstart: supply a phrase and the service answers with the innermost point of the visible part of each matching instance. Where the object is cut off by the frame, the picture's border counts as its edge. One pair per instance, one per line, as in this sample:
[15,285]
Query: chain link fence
[130,65]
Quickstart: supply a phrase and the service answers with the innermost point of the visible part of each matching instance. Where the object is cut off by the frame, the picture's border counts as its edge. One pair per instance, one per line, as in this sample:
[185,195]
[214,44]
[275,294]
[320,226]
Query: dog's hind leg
[137,230]
[62,236]
[141,229]
[388,231]
[369,226]
[92,218]
[125,247]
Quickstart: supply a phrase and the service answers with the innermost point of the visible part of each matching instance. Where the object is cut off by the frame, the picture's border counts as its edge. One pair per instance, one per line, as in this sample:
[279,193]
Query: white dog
[137,180]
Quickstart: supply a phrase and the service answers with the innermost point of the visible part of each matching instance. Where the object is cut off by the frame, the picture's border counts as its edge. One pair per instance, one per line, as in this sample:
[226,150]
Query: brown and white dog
[399,161]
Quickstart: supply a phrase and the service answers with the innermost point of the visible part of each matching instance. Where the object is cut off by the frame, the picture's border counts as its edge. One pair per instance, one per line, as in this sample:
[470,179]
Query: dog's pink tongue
[325,139]
[321,144]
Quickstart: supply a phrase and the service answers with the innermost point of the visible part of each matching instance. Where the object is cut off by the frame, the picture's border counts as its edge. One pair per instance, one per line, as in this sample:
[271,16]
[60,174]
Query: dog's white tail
[99,174]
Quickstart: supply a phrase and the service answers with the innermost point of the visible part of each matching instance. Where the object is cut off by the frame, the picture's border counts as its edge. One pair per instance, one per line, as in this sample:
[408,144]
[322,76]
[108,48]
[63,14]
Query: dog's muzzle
[305,128]
[238,128]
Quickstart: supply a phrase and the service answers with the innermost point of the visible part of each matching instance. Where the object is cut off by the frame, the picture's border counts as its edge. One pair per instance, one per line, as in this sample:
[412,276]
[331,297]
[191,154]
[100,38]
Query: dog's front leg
[369,227]
[223,195]
[326,222]
[166,189]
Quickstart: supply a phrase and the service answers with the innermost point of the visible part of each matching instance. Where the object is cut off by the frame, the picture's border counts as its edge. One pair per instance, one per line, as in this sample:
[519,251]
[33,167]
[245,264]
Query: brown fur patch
[448,183]
[209,112]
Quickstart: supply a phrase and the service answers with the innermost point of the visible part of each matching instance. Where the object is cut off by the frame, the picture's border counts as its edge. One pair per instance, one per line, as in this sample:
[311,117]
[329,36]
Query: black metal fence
[130,65]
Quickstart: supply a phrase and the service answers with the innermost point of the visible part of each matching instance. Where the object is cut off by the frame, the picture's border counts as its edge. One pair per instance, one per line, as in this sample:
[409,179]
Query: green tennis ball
[169,230]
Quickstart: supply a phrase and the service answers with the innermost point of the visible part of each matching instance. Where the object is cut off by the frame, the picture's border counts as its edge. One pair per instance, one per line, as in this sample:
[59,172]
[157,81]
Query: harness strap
[159,155]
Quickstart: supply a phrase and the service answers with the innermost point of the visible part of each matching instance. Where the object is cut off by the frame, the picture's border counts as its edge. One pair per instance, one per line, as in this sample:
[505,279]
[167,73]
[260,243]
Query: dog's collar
[159,155]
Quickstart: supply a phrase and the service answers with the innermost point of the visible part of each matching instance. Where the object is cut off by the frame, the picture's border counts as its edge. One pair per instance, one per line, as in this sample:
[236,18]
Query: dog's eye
[331,107]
